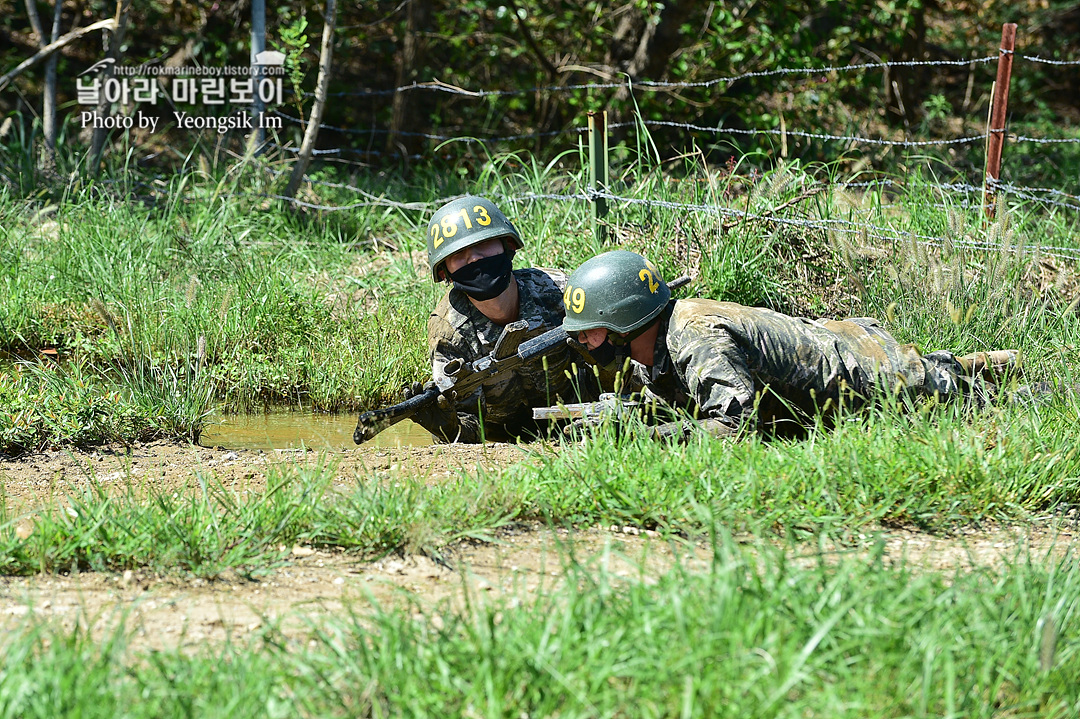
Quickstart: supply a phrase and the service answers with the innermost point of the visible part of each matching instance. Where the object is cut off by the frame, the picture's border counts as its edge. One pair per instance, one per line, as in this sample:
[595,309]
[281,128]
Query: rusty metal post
[999,109]
[598,172]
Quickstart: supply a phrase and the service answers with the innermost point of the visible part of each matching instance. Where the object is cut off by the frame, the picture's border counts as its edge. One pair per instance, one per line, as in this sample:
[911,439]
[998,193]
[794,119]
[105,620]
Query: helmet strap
[624,339]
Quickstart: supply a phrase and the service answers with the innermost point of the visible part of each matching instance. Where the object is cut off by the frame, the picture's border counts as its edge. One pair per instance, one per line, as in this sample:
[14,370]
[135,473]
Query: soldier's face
[487,248]
[593,338]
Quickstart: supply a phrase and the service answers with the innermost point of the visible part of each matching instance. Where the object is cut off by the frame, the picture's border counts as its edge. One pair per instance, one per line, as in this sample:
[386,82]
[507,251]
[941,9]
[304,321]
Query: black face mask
[605,354]
[610,358]
[486,278]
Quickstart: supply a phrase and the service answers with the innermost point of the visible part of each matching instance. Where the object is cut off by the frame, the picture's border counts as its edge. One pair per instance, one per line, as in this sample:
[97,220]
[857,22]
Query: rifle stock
[609,405]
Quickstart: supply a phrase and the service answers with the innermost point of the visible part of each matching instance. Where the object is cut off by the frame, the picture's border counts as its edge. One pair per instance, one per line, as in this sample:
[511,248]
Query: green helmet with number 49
[465,222]
[619,290]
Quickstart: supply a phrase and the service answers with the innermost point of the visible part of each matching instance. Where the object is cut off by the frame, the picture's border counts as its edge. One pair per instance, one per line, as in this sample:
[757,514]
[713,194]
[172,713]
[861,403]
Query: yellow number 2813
[449,224]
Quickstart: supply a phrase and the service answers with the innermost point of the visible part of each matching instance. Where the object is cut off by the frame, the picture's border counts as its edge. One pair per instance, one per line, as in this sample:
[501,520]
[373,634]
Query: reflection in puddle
[290,430]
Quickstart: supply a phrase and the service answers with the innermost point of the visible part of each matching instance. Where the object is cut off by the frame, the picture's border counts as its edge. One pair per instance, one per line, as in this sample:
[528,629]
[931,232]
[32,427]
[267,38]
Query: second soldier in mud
[471,244]
[727,365]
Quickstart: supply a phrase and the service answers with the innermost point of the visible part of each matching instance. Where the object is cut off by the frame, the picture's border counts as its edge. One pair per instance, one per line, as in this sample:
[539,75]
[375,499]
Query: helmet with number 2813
[465,222]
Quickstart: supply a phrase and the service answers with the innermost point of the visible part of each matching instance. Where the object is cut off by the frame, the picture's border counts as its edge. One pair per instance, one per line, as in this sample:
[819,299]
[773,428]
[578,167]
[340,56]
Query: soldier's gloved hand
[718,428]
[437,417]
[578,424]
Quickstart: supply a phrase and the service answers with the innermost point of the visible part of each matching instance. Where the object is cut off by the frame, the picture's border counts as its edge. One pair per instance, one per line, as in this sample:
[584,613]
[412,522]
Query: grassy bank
[754,634]
[180,296]
[938,469]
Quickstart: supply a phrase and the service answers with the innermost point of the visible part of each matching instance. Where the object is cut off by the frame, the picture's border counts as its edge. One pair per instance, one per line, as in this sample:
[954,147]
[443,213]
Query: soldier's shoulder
[450,314]
[689,310]
[542,279]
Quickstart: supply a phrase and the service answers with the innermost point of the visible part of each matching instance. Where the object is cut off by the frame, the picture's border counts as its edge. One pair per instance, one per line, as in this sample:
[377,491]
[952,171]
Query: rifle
[609,405]
[517,345]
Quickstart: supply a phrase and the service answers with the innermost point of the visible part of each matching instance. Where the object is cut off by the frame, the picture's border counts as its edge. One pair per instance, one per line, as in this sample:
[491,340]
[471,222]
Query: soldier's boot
[993,367]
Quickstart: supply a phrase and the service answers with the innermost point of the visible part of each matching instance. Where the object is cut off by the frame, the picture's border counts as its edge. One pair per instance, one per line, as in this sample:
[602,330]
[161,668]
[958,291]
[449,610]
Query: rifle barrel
[681,281]
[537,346]
[371,423]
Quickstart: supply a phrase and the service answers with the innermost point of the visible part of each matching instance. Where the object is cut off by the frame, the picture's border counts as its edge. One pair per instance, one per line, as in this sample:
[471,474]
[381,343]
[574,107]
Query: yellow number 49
[574,299]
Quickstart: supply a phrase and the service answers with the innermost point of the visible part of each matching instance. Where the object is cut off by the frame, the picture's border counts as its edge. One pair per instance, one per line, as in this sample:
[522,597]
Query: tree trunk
[658,42]
[48,103]
[407,116]
[312,131]
[104,108]
[258,44]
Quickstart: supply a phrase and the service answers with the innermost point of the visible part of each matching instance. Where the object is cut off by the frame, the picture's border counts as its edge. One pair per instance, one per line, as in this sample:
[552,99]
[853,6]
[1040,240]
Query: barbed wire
[1006,187]
[1036,58]
[682,126]
[1018,192]
[657,85]
[838,226]
[961,188]
[430,136]
[375,202]
[810,135]
[325,153]
[1045,140]
[835,225]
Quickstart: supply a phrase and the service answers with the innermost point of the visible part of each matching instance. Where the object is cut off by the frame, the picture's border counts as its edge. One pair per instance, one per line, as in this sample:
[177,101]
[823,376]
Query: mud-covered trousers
[727,361]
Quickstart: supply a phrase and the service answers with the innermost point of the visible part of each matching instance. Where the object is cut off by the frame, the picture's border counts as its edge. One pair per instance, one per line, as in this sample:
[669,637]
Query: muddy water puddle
[293,430]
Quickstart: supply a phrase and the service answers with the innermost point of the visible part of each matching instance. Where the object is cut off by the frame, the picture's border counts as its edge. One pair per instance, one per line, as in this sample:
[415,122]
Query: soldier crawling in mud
[727,365]
[471,244]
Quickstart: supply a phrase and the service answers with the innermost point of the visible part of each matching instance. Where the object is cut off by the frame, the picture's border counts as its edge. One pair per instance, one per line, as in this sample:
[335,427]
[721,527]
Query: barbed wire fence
[869,222]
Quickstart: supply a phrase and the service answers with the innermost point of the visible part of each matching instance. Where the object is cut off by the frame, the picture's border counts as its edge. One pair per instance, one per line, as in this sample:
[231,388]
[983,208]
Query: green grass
[241,304]
[166,299]
[756,633]
[46,403]
[935,468]
[159,313]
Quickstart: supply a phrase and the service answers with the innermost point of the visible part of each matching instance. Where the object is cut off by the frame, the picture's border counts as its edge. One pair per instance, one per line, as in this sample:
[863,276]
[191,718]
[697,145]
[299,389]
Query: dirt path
[41,478]
[177,611]
[164,612]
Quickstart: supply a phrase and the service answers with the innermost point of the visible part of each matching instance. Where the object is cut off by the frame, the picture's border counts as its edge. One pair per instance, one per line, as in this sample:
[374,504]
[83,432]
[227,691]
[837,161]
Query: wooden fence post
[999,108]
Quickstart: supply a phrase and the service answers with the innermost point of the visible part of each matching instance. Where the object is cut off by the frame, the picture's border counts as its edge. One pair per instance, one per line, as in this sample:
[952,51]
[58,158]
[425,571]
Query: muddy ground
[39,479]
[178,611]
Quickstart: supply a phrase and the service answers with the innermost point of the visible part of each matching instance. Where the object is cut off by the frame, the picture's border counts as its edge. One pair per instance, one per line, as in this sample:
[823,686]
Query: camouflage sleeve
[716,371]
[559,277]
[445,346]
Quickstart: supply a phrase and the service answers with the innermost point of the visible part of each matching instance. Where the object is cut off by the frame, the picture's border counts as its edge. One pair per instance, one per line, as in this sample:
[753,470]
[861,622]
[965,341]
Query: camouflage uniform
[457,329]
[716,359]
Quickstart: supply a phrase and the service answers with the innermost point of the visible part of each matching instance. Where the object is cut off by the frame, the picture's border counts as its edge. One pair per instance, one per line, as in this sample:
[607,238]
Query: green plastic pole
[598,172]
